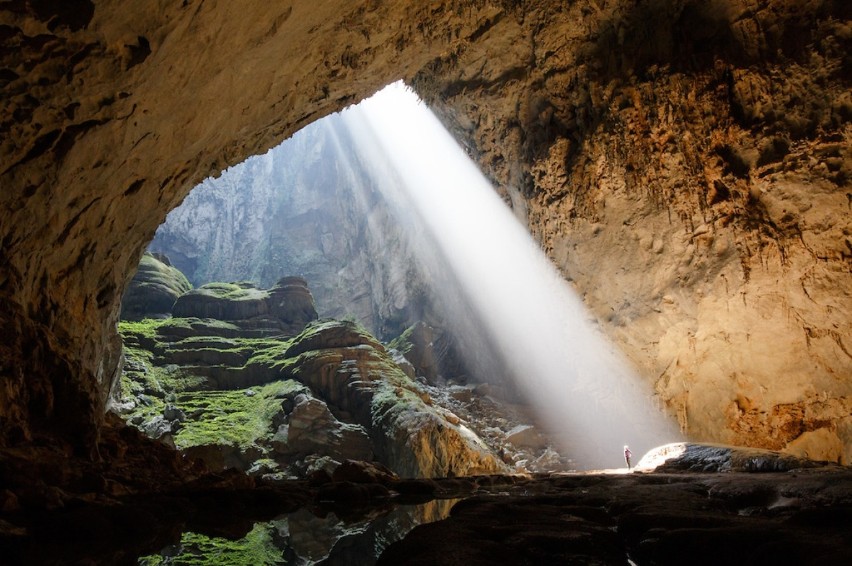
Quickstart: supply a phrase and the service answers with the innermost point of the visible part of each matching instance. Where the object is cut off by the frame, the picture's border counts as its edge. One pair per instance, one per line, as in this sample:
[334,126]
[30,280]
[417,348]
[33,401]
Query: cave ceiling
[678,160]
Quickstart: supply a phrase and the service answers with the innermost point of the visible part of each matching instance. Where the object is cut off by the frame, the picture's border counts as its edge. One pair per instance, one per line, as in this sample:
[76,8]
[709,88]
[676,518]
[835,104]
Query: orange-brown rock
[685,163]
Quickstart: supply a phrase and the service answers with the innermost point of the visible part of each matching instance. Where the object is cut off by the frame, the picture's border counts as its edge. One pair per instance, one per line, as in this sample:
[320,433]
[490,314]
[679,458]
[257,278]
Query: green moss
[191,326]
[140,384]
[402,343]
[257,548]
[146,328]
[162,274]
[143,334]
[231,417]
[240,291]
[271,354]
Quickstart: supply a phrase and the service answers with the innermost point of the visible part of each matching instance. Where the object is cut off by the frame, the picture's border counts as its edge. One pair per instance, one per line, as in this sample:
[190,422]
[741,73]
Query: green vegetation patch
[146,328]
[402,343]
[330,333]
[157,273]
[241,291]
[271,355]
[234,418]
[257,548]
[142,333]
[191,326]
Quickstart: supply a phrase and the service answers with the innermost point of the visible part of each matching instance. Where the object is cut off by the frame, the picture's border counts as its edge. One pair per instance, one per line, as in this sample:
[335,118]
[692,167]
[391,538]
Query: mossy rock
[416,344]
[256,548]
[223,301]
[329,333]
[238,422]
[336,361]
[189,327]
[154,289]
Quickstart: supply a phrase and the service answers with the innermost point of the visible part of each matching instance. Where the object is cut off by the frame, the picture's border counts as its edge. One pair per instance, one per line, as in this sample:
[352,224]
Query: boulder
[526,436]
[154,289]
[314,430]
[223,301]
[695,457]
[291,301]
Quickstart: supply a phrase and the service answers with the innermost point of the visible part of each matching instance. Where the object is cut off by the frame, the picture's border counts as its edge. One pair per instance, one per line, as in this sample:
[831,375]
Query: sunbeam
[581,386]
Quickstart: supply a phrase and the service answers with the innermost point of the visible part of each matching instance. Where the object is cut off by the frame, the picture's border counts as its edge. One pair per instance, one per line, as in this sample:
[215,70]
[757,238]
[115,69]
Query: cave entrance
[392,225]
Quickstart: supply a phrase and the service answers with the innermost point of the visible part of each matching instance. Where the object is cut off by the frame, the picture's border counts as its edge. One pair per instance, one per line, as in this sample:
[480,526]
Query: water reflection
[306,537]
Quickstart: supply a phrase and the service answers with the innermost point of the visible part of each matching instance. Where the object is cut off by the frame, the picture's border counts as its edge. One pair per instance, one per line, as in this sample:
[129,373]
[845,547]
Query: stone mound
[154,289]
[282,407]
[285,308]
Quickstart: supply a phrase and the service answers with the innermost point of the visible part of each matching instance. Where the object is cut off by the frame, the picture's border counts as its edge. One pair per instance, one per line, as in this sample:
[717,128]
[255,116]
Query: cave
[685,164]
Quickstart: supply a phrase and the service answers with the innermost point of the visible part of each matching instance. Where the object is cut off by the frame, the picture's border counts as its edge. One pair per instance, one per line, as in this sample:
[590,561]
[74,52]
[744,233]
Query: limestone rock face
[348,369]
[111,114]
[417,345]
[313,429]
[685,163]
[154,289]
[289,305]
[310,207]
[687,166]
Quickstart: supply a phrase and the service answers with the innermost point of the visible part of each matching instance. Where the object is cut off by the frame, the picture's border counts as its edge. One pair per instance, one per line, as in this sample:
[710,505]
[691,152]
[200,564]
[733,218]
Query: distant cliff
[307,208]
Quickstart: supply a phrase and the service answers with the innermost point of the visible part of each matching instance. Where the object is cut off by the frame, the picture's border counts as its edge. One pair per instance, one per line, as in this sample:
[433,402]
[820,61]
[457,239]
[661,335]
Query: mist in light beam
[581,387]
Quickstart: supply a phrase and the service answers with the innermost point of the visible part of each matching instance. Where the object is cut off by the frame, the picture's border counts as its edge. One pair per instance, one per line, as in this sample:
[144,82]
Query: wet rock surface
[657,518]
[692,457]
[797,517]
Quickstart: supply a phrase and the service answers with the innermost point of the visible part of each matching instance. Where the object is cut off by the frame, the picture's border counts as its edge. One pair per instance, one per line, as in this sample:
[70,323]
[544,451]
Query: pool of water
[305,537]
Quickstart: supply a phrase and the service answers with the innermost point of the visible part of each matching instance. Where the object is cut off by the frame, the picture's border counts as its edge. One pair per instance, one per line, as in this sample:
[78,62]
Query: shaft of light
[581,386]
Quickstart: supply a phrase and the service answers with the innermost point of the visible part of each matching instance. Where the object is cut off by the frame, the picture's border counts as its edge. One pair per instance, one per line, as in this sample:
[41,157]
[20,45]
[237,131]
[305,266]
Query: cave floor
[799,517]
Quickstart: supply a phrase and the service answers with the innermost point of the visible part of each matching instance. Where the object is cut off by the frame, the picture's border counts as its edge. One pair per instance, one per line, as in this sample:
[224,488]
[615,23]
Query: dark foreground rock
[703,457]
[663,519]
[800,517]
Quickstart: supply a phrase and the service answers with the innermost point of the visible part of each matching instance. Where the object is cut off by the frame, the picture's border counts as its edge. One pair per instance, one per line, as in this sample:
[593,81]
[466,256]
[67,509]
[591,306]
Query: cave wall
[112,112]
[687,166]
[685,163]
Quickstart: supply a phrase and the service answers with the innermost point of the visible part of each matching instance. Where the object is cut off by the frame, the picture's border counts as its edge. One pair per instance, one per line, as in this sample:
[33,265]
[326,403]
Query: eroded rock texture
[685,163]
[112,113]
[310,207]
[154,289]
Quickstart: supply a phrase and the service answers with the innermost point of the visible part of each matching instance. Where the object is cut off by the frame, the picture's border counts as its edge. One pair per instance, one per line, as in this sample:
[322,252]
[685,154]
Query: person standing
[627,455]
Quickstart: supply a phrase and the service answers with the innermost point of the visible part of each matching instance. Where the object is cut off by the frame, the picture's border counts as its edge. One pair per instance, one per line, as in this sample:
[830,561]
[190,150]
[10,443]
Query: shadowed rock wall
[685,163]
[112,113]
